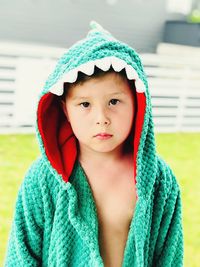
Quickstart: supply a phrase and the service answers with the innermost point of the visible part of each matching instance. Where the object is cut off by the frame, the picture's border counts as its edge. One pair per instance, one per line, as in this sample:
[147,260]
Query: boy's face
[101,112]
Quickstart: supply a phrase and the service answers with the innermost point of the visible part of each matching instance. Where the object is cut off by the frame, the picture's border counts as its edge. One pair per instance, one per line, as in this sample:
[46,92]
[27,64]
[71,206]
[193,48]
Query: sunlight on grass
[16,154]
[180,151]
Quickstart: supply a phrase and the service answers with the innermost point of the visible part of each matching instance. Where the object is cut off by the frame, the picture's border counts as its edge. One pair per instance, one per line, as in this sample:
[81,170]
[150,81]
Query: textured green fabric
[56,226]
[55,222]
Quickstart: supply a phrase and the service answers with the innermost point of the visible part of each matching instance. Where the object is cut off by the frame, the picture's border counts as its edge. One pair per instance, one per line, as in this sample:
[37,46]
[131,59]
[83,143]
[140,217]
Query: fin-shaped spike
[96,27]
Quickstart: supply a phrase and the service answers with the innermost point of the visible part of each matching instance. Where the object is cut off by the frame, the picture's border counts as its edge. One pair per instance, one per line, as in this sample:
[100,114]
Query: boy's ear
[63,106]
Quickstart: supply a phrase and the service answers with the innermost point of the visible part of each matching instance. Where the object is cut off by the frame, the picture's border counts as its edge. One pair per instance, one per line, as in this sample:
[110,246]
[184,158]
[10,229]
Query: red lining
[141,102]
[59,141]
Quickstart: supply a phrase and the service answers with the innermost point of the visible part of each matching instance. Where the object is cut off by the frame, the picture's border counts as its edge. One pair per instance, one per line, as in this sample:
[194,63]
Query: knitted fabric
[55,221]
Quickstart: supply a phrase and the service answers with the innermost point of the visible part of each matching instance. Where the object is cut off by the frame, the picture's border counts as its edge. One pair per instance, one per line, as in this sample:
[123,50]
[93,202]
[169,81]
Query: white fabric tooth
[131,73]
[71,76]
[57,89]
[103,64]
[118,64]
[87,68]
[140,87]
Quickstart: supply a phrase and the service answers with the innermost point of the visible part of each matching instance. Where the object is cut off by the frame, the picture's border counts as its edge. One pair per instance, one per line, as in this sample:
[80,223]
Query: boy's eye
[114,101]
[85,104]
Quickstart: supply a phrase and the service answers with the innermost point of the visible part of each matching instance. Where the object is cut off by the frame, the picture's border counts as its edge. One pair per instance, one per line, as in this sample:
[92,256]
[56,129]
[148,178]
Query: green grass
[16,154]
[181,151]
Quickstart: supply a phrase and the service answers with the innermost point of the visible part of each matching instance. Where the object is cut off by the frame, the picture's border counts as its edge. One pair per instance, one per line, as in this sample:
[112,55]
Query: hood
[55,136]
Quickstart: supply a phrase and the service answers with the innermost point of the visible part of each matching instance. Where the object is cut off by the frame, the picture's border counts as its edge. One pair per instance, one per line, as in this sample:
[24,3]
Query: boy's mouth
[103,136]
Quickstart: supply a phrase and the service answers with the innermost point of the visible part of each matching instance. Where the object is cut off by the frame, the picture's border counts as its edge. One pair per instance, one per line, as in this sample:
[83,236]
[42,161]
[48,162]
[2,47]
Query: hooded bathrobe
[55,221]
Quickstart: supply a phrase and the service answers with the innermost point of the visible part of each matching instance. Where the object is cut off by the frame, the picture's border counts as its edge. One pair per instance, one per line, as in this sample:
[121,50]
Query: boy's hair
[98,73]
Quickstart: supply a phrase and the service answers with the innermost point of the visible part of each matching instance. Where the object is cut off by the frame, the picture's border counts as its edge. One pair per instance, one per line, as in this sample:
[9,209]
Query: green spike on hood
[97,28]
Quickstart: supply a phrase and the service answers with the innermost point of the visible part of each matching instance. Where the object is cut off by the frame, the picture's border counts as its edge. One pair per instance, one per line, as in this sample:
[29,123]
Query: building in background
[60,23]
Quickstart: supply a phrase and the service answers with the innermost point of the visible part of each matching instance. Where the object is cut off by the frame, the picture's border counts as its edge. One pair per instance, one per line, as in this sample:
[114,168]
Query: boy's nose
[102,118]
[103,122]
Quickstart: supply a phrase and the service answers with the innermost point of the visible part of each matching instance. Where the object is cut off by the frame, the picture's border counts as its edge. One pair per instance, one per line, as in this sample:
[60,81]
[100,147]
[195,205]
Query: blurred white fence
[173,75]
[23,71]
[174,82]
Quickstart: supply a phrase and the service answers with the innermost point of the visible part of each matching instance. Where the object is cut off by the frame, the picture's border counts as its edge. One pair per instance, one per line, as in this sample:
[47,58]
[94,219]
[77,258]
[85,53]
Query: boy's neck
[103,159]
[106,168]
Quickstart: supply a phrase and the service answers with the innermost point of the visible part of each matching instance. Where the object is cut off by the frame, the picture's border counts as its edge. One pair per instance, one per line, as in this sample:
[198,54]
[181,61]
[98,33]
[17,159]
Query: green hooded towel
[55,221]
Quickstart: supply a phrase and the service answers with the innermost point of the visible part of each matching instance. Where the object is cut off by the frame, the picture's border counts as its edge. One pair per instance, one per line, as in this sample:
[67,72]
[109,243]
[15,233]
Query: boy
[99,195]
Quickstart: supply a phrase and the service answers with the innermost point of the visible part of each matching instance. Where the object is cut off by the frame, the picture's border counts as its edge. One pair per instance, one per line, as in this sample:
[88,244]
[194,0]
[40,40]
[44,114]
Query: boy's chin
[107,149]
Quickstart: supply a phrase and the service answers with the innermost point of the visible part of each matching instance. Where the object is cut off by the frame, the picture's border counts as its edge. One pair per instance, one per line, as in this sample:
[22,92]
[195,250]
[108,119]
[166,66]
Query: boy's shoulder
[35,170]
[38,175]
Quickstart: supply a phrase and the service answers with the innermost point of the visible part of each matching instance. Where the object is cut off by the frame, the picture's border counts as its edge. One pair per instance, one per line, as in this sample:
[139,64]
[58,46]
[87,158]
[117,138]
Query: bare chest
[115,208]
